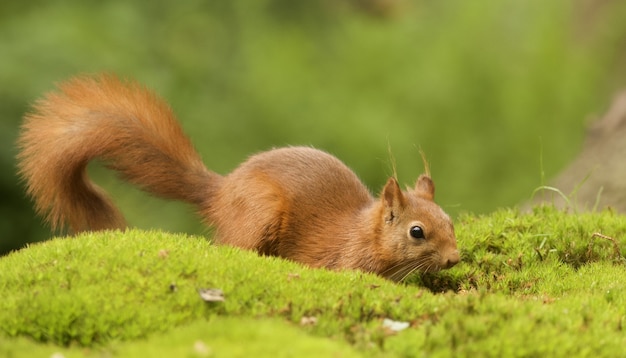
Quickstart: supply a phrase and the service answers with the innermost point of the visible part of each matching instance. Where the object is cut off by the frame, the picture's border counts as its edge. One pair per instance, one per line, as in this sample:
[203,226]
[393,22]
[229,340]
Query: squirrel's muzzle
[451,259]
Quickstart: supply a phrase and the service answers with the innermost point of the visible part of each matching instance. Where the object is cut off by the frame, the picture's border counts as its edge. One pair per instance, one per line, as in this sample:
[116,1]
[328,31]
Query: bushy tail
[126,126]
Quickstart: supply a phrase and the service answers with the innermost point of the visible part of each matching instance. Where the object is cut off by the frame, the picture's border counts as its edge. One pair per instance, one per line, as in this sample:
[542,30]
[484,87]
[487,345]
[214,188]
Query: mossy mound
[542,283]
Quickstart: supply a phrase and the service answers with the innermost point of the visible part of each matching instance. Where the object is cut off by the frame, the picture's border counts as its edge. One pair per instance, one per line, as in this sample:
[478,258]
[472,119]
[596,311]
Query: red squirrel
[298,203]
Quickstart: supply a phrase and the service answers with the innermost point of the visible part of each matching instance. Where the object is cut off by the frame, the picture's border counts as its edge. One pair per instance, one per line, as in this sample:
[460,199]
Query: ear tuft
[425,187]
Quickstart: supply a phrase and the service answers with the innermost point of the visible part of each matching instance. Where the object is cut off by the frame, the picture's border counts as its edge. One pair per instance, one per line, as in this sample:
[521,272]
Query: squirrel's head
[417,235]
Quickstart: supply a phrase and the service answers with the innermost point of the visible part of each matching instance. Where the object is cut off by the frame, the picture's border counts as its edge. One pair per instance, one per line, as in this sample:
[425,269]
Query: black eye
[417,232]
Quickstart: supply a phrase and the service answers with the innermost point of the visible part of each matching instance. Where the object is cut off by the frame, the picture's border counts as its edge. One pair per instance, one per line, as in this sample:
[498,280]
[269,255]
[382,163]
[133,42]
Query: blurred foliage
[488,89]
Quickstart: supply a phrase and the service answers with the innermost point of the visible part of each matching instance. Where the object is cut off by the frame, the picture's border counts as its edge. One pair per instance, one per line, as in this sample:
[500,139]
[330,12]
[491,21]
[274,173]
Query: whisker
[392,270]
[408,268]
[419,267]
[424,265]
[401,270]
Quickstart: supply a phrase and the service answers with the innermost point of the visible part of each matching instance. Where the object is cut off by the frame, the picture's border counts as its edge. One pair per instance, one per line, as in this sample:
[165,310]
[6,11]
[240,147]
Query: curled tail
[121,123]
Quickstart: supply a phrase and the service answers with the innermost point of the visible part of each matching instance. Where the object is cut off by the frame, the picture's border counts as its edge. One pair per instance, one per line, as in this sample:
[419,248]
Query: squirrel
[297,203]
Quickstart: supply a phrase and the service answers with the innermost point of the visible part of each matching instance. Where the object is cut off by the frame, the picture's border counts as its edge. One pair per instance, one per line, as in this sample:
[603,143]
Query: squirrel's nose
[453,258]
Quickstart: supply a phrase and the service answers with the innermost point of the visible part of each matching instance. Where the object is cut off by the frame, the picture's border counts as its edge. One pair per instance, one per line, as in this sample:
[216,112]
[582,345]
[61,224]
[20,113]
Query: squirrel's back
[287,193]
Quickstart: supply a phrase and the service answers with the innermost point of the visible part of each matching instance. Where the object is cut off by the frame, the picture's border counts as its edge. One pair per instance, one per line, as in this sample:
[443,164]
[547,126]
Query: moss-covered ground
[544,283]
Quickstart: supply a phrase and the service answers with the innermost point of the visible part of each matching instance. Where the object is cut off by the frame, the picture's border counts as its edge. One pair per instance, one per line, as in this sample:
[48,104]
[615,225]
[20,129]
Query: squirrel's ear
[393,199]
[425,188]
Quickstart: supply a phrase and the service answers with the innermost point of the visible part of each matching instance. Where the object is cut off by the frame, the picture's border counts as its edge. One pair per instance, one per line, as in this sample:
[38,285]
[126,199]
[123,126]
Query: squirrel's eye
[417,232]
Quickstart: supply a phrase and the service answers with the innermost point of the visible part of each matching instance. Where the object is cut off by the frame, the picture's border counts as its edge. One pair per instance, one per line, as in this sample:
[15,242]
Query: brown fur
[296,202]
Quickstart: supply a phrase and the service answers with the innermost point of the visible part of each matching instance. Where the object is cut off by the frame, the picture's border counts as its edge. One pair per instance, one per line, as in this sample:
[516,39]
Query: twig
[616,249]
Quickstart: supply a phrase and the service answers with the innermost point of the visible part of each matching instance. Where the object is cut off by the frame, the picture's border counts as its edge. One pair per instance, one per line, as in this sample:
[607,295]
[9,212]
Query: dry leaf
[202,349]
[308,321]
[291,276]
[211,294]
[395,326]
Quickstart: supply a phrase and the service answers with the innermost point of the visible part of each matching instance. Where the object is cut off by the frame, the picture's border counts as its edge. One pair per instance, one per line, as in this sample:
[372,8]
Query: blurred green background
[497,93]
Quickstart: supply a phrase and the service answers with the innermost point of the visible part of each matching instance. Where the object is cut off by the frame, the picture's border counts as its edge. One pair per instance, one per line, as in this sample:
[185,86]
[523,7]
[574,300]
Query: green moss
[539,283]
[218,336]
